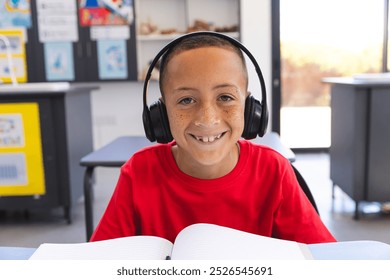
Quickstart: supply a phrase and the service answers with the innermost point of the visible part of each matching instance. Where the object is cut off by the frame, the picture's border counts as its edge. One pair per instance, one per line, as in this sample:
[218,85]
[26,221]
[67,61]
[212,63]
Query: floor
[33,228]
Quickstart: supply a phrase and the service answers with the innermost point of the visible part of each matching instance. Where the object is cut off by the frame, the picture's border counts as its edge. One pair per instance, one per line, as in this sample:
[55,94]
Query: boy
[208,174]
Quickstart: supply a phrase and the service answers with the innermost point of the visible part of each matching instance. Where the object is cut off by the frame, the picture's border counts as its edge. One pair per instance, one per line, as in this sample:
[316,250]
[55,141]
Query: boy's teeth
[206,139]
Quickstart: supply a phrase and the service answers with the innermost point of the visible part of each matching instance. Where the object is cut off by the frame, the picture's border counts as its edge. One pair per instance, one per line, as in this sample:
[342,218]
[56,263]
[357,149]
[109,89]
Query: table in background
[117,152]
[360,132]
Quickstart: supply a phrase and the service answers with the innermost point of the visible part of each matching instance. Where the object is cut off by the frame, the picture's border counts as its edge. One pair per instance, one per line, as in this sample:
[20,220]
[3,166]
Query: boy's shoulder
[260,153]
[147,158]
[152,151]
[259,149]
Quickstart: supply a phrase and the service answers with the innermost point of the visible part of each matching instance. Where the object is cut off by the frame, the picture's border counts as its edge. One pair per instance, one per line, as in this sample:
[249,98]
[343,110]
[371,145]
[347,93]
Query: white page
[126,248]
[205,241]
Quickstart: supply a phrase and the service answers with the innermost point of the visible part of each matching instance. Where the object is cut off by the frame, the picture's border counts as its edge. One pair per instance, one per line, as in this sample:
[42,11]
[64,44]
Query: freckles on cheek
[178,117]
[235,118]
[177,121]
[234,114]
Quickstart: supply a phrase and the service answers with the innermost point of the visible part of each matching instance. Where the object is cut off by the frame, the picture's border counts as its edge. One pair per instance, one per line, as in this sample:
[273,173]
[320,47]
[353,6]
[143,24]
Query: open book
[196,242]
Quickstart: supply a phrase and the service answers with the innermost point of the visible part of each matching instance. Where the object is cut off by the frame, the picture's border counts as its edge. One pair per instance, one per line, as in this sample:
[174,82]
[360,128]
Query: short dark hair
[195,42]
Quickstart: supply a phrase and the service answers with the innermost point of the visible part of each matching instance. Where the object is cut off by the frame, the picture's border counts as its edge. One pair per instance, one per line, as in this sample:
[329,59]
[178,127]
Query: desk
[16,253]
[360,132]
[348,250]
[116,153]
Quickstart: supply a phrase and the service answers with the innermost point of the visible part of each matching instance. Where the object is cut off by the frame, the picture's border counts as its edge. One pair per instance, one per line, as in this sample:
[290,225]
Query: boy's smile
[204,93]
[208,139]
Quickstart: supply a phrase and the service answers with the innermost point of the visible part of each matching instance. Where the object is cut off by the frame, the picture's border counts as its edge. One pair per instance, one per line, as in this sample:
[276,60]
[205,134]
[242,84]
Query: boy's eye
[186,101]
[225,98]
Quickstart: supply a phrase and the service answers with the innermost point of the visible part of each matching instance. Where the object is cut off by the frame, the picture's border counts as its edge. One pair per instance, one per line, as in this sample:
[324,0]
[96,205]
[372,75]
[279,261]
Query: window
[323,38]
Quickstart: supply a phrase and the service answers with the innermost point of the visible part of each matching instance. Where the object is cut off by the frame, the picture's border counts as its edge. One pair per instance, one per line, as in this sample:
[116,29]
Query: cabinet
[65,135]
[158,22]
[360,137]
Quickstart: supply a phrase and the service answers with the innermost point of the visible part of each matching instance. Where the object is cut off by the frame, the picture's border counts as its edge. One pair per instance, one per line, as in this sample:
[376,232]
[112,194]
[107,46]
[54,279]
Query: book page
[205,241]
[125,248]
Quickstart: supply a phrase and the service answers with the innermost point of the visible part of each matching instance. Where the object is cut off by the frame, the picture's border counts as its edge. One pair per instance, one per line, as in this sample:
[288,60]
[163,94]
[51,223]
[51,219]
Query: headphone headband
[148,122]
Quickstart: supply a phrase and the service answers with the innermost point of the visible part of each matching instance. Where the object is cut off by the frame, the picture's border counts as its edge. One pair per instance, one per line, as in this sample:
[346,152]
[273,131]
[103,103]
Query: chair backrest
[305,187]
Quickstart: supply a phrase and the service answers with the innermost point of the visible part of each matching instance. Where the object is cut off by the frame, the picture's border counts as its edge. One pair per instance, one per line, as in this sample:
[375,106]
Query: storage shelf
[163,37]
[179,16]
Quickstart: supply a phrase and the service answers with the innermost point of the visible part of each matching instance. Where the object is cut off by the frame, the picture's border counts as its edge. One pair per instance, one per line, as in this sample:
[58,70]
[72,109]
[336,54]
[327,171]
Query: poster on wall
[15,13]
[21,159]
[106,12]
[13,63]
[112,59]
[57,20]
[12,170]
[118,32]
[59,61]
[19,70]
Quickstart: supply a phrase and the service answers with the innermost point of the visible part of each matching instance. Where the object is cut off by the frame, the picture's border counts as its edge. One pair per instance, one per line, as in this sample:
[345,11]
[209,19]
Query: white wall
[256,36]
[117,110]
[117,106]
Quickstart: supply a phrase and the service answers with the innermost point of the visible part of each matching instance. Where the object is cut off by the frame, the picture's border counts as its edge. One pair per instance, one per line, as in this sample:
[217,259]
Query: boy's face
[204,93]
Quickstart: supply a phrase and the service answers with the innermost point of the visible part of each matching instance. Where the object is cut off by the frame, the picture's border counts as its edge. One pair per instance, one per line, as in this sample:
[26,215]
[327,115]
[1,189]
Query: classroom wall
[117,106]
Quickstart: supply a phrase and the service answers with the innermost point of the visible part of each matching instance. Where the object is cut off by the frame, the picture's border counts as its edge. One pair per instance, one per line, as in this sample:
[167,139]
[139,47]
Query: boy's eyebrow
[183,89]
[216,87]
[224,85]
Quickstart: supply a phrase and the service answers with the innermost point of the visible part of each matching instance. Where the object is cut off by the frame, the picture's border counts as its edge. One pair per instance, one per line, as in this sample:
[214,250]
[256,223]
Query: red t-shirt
[260,195]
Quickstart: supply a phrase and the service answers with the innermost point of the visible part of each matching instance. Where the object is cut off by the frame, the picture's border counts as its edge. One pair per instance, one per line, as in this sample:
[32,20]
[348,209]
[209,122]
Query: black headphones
[155,118]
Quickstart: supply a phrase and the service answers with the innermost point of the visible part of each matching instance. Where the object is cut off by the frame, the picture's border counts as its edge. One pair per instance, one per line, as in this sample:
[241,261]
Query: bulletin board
[72,40]
[13,56]
[21,159]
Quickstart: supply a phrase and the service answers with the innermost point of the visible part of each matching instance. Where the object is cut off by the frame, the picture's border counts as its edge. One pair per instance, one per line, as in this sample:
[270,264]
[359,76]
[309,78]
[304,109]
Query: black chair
[305,187]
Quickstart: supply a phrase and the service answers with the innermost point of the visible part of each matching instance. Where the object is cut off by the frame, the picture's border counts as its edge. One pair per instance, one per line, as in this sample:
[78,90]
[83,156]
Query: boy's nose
[207,116]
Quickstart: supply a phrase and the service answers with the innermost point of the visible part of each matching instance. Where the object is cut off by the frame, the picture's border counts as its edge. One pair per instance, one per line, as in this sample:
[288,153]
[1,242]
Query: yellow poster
[21,159]
[13,64]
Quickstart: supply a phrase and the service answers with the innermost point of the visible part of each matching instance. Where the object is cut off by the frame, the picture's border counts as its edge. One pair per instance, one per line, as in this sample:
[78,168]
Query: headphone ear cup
[159,122]
[263,120]
[255,123]
[148,125]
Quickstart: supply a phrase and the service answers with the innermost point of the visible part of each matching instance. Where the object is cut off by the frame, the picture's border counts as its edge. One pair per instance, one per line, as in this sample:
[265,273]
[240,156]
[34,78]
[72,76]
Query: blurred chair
[305,187]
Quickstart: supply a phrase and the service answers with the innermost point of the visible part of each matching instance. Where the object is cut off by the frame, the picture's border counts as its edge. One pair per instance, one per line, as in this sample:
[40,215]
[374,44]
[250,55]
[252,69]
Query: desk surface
[15,253]
[351,250]
[35,87]
[350,81]
[43,88]
[348,250]
[121,149]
